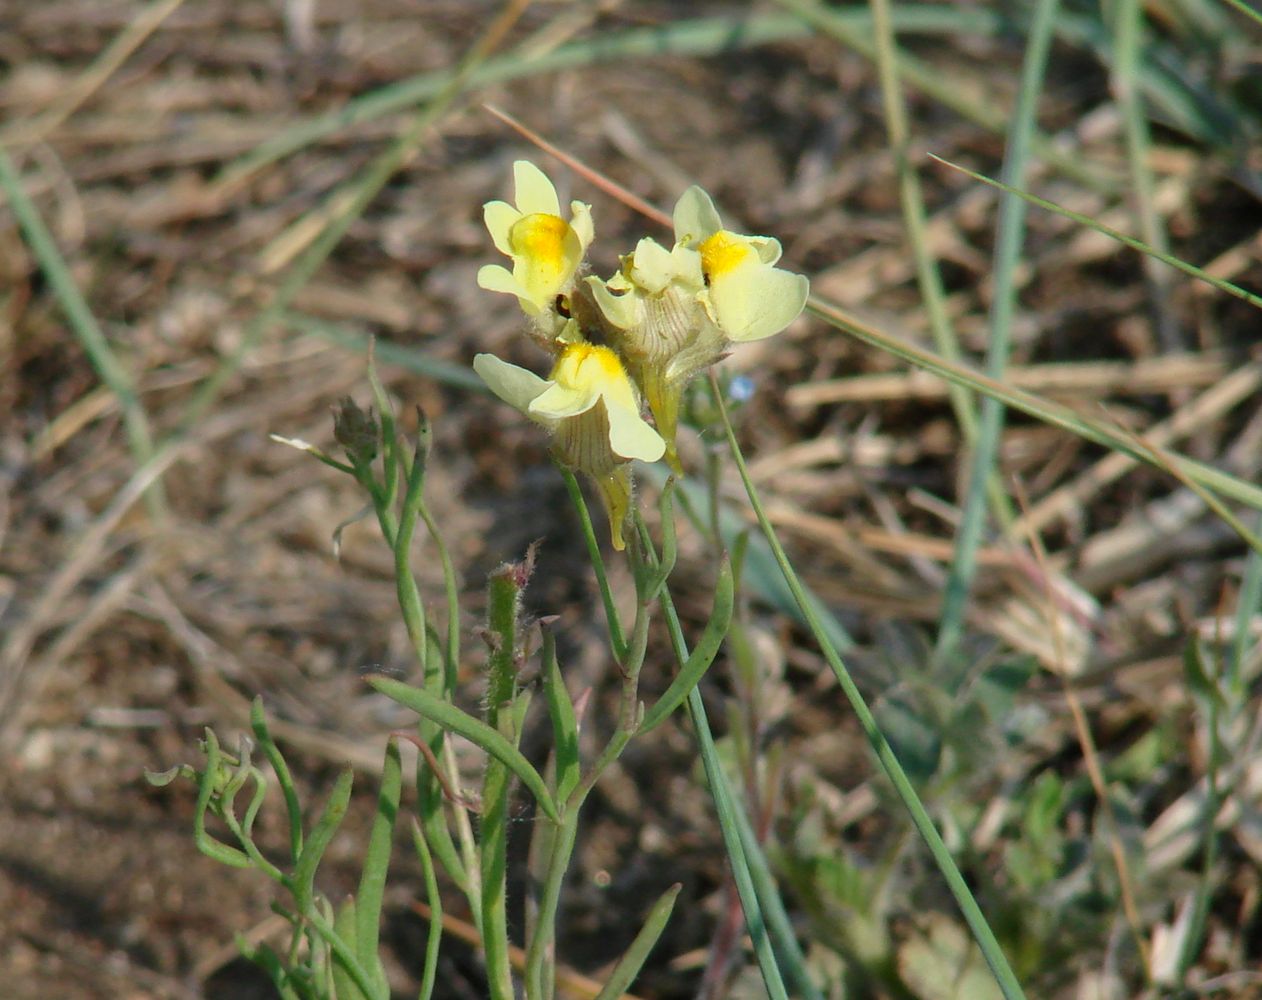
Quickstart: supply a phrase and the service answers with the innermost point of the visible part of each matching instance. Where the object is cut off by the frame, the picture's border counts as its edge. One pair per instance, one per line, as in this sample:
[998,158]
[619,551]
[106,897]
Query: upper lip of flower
[545,249]
[747,295]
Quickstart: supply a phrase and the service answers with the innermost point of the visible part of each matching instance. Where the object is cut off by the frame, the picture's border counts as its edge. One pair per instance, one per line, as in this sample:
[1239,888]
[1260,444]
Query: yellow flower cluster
[638,336]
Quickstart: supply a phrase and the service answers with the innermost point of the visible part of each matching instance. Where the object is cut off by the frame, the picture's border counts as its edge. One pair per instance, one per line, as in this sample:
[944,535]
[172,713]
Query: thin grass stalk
[1054,414]
[912,199]
[972,913]
[1249,603]
[1009,238]
[744,855]
[1244,8]
[931,82]
[1128,29]
[1206,883]
[1177,263]
[79,315]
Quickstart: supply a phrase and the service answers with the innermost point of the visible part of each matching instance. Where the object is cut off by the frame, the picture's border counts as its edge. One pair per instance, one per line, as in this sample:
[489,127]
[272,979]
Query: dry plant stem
[503,636]
[1090,754]
[972,913]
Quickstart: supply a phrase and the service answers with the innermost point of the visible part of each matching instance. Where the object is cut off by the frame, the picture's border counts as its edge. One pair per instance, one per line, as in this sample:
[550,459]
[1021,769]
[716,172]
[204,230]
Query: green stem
[616,637]
[973,915]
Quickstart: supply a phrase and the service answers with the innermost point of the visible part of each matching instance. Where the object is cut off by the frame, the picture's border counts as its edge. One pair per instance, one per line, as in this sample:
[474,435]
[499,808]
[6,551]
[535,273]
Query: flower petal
[652,266]
[695,217]
[622,310]
[516,386]
[534,192]
[558,401]
[495,278]
[499,217]
[581,220]
[754,301]
[630,436]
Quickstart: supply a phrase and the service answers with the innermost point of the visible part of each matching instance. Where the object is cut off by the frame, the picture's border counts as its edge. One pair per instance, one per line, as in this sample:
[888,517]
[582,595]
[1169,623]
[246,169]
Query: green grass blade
[913,205]
[1008,242]
[1245,9]
[973,915]
[726,807]
[725,802]
[1223,483]
[1249,602]
[1244,294]
[1128,29]
[930,81]
[449,717]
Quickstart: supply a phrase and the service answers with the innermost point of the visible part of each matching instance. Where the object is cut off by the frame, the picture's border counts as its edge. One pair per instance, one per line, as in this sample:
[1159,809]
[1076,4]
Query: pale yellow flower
[672,313]
[746,294]
[593,411]
[546,251]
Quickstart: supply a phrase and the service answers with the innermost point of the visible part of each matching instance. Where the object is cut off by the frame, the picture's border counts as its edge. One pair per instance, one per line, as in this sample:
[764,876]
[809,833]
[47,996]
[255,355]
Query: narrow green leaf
[1009,238]
[973,915]
[303,879]
[703,655]
[92,338]
[449,717]
[564,723]
[433,940]
[1054,414]
[344,985]
[372,880]
[630,963]
[1130,241]
[293,808]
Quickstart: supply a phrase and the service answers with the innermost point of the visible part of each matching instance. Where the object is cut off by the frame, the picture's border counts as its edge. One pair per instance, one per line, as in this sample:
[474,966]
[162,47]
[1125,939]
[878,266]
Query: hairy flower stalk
[593,410]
